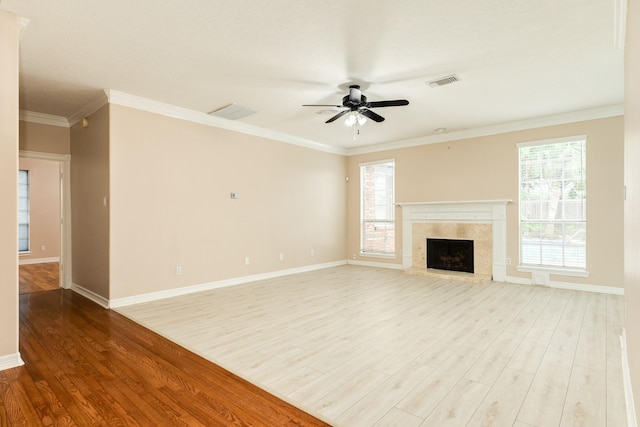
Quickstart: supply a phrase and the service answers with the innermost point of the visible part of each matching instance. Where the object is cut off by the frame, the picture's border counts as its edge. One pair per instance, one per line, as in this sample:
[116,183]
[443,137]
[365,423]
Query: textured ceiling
[517,59]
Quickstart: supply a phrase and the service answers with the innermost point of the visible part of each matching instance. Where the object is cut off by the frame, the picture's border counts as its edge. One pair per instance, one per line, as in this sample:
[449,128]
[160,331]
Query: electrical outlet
[353,256]
[313,253]
[246,260]
[281,256]
[508,261]
[178,270]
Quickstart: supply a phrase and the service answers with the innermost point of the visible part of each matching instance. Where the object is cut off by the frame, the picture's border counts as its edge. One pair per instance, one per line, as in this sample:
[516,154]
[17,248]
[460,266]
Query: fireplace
[450,254]
[483,221]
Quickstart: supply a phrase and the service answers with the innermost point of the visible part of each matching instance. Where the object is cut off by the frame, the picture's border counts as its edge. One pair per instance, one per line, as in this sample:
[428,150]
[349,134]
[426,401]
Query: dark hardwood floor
[87,366]
[39,277]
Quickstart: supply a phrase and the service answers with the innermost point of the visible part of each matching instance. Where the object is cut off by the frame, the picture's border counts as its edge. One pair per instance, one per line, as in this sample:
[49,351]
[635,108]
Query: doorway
[45,263]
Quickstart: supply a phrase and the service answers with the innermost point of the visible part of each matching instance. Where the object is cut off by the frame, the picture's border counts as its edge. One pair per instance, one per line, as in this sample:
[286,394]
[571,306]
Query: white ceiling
[517,59]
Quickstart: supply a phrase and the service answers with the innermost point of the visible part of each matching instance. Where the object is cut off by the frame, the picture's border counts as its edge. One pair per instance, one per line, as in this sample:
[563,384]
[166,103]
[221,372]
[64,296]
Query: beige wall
[44,208]
[8,184]
[44,138]
[90,218]
[632,204]
[171,182]
[486,168]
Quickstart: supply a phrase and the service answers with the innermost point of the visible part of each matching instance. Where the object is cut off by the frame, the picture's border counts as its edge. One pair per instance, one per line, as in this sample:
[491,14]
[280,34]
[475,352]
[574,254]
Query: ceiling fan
[357,103]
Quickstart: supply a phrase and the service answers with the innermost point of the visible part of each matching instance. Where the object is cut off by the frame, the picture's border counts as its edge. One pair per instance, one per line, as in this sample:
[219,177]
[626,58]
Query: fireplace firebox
[450,254]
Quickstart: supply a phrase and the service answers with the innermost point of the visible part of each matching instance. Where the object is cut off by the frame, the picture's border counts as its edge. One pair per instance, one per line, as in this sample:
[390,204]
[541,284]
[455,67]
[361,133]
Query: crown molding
[44,119]
[619,23]
[90,108]
[144,104]
[538,122]
[139,103]
[22,23]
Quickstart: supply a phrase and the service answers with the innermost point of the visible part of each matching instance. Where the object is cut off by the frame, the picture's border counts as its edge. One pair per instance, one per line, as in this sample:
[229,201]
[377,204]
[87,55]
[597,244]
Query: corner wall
[171,184]
[89,205]
[9,32]
[486,168]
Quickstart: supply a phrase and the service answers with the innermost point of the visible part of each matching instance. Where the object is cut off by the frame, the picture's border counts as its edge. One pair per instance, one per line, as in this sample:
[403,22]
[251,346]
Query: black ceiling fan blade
[322,105]
[373,116]
[337,116]
[394,103]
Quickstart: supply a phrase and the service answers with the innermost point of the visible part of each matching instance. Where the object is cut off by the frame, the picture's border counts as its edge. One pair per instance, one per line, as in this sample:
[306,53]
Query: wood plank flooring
[362,346]
[39,277]
[87,366]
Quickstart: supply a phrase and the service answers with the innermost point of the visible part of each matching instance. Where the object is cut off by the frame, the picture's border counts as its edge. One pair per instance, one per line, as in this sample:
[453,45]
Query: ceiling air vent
[442,81]
[232,112]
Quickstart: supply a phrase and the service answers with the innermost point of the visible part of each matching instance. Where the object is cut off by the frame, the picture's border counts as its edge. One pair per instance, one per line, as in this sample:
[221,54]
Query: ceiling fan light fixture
[355,117]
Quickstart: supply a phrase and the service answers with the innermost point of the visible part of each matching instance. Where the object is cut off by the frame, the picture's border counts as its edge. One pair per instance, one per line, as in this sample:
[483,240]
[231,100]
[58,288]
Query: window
[377,208]
[553,204]
[23,211]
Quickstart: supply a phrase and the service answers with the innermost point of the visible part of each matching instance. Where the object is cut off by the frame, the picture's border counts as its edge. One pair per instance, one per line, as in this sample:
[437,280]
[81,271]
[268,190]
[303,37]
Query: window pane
[378,207]
[553,204]
[23,211]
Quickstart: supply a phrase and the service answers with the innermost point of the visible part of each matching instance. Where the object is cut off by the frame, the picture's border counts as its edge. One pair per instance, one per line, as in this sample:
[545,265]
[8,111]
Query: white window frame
[579,271]
[387,217]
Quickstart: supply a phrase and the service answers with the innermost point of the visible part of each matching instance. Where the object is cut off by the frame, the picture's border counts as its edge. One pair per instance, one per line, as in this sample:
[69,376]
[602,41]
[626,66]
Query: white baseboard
[98,299]
[571,286]
[626,380]
[10,361]
[137,299]
[375,264]
[38,260]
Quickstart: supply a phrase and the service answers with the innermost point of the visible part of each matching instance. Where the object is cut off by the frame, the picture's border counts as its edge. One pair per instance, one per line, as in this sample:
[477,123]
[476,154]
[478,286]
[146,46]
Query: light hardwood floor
[362,346]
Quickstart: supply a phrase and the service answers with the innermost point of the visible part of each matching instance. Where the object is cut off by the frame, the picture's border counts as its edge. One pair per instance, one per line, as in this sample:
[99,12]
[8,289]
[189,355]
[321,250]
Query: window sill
[24,253]
[375,255]
[552,270]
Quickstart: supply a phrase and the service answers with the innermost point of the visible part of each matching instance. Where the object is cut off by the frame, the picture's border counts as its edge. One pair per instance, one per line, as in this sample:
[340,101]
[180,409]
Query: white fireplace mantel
[492,212]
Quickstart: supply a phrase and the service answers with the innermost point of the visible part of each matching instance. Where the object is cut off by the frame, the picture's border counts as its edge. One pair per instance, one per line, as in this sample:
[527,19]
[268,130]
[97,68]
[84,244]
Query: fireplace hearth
[450,254]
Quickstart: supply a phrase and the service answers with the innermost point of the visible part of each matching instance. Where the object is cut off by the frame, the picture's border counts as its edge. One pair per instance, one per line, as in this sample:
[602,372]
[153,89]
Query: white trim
[89,109]
[23,23]
[38,260]
[98,299]
[44,119]
[601,289]
[552,141]
[65,209]
[632,421]
[457,202]
[121,98]
[538,122]
[375,264]
[10,361]
[518,280]
[152,296]
[44,156]
[551,270]
[378,255]
[139,103]
[377,162]
[619,23]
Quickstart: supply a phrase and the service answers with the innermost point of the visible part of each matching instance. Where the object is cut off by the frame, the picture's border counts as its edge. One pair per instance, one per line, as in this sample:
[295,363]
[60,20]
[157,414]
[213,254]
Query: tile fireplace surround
[483,221]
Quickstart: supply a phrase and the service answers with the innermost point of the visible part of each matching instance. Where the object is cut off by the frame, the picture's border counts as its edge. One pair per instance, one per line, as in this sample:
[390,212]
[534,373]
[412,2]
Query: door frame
[64,167]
